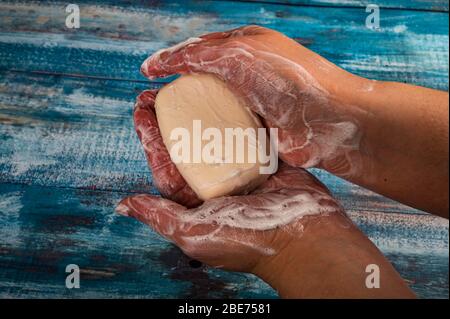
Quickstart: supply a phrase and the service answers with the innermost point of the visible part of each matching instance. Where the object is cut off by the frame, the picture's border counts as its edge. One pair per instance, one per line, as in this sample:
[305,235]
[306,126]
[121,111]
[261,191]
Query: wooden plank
[43,229]
[432,5]
[78,133]
[70,132]
[411,46]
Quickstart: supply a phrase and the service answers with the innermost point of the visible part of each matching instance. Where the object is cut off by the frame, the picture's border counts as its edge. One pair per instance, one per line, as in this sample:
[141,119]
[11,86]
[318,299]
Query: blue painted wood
[433,5]
[411,46]
[70,132]
[68,151]
[77,132]
[43,229]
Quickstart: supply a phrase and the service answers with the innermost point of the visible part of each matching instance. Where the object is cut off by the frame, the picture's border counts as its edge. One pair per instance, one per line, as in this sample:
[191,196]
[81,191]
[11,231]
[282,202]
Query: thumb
[159,213]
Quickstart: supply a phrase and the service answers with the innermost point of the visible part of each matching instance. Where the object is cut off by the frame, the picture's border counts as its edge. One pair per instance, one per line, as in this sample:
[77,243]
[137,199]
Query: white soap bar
[195,104]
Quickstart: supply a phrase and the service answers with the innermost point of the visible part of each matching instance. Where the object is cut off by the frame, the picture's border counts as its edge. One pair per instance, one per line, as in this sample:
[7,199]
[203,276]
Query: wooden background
[68,151]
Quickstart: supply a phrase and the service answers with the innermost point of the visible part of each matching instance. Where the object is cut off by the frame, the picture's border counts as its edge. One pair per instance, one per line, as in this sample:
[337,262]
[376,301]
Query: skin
[319,246]
[380,135]
[384,136]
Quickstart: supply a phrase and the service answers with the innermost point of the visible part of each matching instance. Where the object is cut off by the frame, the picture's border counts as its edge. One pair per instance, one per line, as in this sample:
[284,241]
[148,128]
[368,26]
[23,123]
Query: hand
[289,231]
[292,88]
[384,136]
[234,232]
[166,176]
[238,233]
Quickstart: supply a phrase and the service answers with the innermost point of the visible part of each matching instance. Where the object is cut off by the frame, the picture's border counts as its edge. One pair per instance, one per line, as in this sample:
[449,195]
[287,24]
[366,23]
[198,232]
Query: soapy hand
[239,232]
[289,86]
[288,231]
[166,176]
[233,232]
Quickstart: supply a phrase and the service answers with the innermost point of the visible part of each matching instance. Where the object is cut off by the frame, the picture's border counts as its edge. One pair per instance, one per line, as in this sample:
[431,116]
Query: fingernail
[123,210]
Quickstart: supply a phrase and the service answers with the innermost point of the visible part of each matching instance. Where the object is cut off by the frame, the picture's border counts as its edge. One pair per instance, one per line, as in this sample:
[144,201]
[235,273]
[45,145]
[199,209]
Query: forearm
[329,261]
[402,152]
[404,145]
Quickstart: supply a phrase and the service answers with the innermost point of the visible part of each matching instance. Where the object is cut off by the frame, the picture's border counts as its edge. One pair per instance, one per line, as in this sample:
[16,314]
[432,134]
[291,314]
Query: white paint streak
[10,204]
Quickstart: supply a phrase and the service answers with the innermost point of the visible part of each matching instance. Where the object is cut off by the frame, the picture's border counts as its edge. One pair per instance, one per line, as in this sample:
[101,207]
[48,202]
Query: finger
[193,55]
[147,99]
[170,220]
[166,176]
[158,66]
[177,59]
[255,79]
[160,214]
[232,61]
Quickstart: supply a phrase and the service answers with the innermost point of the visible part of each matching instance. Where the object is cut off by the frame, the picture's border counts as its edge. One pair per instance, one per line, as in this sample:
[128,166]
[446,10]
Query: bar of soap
[193,104]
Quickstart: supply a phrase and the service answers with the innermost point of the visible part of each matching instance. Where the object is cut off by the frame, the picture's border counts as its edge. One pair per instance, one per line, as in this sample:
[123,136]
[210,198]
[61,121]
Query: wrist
[329,260]
[301,264]
[351,159]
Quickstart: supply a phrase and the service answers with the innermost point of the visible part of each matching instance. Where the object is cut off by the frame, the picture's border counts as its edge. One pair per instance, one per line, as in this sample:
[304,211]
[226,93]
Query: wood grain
[68,151]
[78,133]
[114,40]
[43,229]
[432,5]
[75,134]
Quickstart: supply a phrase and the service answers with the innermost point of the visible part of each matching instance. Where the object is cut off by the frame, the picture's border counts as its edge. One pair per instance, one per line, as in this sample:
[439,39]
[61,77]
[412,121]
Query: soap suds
[281,204]
[275,210]
[194,243]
